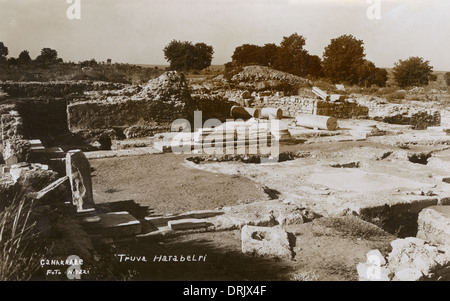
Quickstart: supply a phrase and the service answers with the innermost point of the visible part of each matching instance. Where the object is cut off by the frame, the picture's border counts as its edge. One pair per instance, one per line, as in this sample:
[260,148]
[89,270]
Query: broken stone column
[271,113]
[317,121]
[244,112]
[78,170]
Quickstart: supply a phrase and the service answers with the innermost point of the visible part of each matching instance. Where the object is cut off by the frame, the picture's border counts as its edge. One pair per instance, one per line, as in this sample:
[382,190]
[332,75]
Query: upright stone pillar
[78,170]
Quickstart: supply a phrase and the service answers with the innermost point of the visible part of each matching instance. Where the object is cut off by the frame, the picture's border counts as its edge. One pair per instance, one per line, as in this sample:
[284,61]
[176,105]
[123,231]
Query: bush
[414,71]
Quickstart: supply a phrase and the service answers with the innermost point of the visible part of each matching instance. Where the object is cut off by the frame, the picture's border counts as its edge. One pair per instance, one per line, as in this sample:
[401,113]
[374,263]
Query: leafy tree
[247,54]
[89,63]
[12,61]
[315,66]
[447,78]
[432,77]
[268,54]
[185,56]
[369,74]
[291,57]
[48,56]
[342,58]
[203,55]
[414,71]
[3,52]
[24,57]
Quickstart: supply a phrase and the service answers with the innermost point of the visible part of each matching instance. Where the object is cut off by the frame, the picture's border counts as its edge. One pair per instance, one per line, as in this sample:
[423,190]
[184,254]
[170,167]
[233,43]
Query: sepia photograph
[244,141]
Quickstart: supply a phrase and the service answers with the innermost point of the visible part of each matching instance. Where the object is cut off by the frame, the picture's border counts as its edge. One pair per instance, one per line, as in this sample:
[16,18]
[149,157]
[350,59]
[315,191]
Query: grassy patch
[17,257]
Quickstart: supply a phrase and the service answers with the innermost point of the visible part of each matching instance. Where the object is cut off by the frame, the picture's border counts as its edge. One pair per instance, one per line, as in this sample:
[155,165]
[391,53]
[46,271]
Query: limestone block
[408,274]
[188,223]
[265,241]
[119,224]
[434,224]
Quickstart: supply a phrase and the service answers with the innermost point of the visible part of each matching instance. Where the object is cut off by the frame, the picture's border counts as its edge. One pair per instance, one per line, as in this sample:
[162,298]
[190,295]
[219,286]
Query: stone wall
[54,88]
[419,115]
[151,110]
[15,148]
[12,127]
[90,115]
[44,119]
[212,106]
[295,105]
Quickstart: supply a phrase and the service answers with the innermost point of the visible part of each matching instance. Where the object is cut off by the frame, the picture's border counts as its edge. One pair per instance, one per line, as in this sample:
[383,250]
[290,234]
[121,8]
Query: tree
[447,78]
[414,71]
[369,74]
[203,55]
[185,56]
[89,63]
[24,57]
[48,56]
[3,52]
[342,58]
[291,57]
[315,66]
[247,54]
[268,54]
[432,77]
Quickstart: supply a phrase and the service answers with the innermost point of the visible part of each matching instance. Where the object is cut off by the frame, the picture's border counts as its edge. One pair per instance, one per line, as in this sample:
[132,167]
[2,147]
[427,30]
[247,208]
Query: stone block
[119,224]
[266,241]
[159,221]
[434,224]
[408,275]
[188,223]
[164,147]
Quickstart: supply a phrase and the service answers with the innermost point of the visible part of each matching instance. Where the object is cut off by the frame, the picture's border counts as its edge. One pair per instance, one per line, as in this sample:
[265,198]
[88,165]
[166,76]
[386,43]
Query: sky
[136,31]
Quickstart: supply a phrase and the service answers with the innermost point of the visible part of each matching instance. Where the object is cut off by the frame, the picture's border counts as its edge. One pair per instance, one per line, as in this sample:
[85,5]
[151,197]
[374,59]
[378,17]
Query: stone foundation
[296,105]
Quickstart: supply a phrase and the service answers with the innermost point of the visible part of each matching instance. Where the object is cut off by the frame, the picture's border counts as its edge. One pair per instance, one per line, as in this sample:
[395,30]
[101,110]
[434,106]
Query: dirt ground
[164,185]
[327,249]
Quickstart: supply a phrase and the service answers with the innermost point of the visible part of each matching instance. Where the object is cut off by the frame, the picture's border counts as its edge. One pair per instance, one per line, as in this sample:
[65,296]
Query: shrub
[414,71]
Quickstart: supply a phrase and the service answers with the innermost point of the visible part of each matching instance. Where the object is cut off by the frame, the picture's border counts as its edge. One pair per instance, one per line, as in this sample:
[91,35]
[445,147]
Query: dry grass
[17,260]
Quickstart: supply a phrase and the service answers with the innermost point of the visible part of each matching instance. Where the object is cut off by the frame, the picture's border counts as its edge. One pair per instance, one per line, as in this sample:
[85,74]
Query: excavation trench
[255,159]
[397,219]
[419,158]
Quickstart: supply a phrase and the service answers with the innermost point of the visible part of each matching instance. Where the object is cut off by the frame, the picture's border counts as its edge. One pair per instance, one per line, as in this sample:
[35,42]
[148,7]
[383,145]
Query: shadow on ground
[224,261]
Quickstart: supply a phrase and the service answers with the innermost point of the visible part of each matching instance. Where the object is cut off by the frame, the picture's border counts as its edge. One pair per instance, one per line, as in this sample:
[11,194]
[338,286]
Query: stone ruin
[422,258]
[151,109]
[30,169]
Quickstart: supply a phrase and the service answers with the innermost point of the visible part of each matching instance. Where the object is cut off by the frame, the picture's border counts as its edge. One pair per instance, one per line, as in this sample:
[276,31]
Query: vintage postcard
[224,140]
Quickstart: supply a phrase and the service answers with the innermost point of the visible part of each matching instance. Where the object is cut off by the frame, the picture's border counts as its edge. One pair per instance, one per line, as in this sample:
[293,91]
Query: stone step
[159,221]
[188,223]
[119,223]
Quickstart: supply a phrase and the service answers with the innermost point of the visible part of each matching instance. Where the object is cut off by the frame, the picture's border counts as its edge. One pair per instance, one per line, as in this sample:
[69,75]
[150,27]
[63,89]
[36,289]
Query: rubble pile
[261,73]
[159,102]
[411,259]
